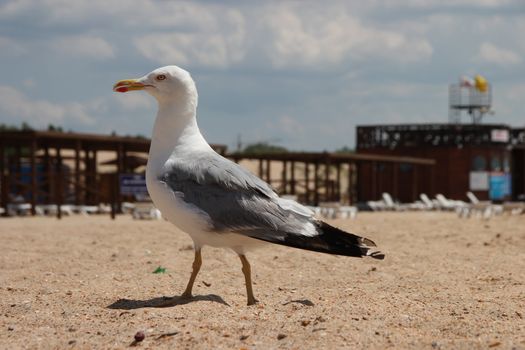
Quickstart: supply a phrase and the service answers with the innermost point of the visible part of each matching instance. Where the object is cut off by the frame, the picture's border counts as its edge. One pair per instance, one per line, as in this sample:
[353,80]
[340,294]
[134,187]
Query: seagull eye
[161,77]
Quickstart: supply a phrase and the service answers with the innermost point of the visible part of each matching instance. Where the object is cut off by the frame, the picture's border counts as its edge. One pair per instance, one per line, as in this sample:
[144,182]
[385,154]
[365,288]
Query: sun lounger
[347,212]
[87,209]
[23,209]
[450,204]
[427,202]
[389,202]
[127,207]
[144,211]
[329,209]
[514,208]
[334,210]
[484,209]
[51,209]
[376,205]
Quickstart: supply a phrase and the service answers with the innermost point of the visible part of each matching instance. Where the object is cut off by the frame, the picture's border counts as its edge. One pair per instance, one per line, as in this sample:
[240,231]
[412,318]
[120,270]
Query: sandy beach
[87,282]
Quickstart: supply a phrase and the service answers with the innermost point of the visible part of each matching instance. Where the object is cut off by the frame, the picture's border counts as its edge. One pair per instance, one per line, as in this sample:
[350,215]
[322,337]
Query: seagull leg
[197,262]
[246,269]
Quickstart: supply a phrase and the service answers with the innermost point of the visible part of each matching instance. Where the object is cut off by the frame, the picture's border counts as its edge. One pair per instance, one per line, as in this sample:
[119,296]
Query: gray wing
[234,199]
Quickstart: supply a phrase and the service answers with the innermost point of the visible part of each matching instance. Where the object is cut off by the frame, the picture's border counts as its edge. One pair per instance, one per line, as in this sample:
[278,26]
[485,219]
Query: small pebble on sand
[139,336]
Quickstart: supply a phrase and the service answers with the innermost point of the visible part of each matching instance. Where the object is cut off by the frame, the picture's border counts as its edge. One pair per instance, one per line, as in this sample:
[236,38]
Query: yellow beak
[128,85]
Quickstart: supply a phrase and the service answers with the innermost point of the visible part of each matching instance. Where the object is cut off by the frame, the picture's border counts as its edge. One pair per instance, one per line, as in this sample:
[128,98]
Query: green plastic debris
[160,270]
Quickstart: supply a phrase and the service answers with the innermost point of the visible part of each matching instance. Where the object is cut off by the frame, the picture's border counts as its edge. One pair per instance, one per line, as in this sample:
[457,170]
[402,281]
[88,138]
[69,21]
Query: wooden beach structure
[49,167]
[342,177]
[56,168]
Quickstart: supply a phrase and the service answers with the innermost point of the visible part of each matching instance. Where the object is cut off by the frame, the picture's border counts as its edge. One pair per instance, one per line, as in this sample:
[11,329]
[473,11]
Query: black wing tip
[330,240]
[368,242]
[333,240]
[377,255]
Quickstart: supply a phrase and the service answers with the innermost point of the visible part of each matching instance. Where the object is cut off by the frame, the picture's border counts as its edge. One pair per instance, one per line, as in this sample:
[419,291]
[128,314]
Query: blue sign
[132,184]
[500,186]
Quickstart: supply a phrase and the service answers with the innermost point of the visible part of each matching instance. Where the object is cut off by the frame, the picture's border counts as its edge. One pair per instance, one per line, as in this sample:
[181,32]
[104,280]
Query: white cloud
[445,3]
[10,47]
[169,32]
[135,13]
[130,102]
[493,54]
[60,11]
[17,107]
[84,46]
[218,42]
[219,36]
[190,49]
[312,37]
[13,8]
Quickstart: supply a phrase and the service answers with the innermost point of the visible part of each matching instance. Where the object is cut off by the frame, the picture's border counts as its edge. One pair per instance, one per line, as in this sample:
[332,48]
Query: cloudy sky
[301,74]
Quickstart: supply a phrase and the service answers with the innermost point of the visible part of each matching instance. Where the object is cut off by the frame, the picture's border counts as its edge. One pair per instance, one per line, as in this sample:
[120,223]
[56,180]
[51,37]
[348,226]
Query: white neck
[175,133]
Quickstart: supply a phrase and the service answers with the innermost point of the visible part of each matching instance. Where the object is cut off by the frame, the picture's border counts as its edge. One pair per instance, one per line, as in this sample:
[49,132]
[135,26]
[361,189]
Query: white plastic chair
[146,211]
[427,202]
[484,209]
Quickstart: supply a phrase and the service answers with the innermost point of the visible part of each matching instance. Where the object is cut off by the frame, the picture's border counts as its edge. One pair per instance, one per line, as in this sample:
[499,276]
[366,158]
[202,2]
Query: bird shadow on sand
[162,302]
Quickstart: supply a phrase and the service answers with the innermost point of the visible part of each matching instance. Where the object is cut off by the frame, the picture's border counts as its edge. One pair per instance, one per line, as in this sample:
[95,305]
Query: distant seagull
[214,200]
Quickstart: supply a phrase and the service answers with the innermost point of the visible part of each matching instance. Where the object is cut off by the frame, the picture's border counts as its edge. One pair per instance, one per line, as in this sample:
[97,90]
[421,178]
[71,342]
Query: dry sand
[84,282]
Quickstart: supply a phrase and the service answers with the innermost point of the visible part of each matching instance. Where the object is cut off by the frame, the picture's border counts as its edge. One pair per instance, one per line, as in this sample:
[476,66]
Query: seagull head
[170,84]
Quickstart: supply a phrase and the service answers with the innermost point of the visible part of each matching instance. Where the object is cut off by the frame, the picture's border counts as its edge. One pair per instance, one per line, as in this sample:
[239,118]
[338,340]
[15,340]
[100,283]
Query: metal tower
[472,97]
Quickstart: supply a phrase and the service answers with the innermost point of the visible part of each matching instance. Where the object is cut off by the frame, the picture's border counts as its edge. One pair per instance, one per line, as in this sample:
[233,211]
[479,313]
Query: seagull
[216,201]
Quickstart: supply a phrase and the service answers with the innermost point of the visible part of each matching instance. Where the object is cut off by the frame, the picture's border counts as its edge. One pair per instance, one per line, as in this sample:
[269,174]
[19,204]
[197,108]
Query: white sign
[479,181]
[499,135]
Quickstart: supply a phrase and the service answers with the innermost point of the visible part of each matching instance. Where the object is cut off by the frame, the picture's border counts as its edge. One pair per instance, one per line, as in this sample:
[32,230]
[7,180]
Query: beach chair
[514,208]
[146,210]
[427,202]
[347,212]
[87,209]
[329,209]
[334,210]
[21,209]
[484,209]
[389,202]
[415,206]
[52,209]
[450,204]
[127,207]
[104,208]
[444,203]
[376,205]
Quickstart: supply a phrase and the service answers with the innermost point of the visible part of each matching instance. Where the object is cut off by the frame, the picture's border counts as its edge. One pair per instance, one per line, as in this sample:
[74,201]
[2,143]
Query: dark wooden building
[482,158]
[518,163]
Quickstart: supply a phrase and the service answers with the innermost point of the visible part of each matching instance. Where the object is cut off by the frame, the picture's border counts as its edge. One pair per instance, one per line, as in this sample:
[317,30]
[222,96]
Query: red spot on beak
[128,85]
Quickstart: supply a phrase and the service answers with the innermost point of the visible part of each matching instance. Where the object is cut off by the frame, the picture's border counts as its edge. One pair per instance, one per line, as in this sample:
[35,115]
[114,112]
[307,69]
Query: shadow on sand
[305,302]
[128,304]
